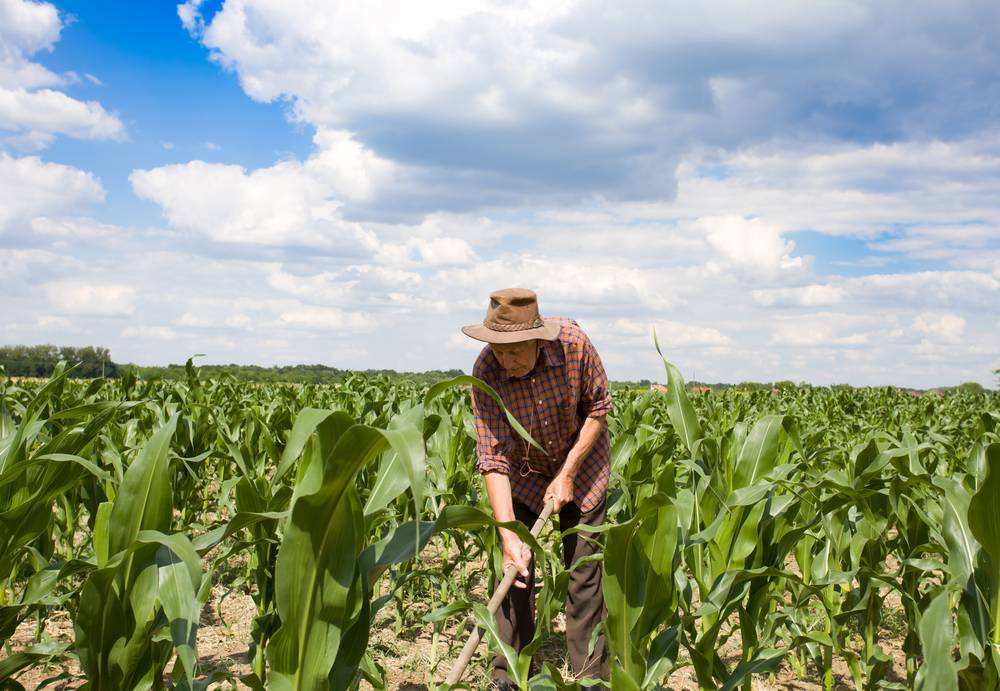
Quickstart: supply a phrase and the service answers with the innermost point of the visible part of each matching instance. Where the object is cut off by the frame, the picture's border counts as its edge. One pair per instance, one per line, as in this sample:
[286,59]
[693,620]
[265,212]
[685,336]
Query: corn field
[753,537]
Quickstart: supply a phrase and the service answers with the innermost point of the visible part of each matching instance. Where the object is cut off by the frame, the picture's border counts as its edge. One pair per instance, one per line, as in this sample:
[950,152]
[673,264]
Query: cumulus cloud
[49,321]
[531,100]
[157,333]
[938,190]
[944,327]
[827,329]
[970,289]
[670,334]
[278,205]
[805,296]
[77,298]
[26,28]
[750,244]
[73,228]
[32,111]
[789,192]
[30,186]
[327,319]
[38,116]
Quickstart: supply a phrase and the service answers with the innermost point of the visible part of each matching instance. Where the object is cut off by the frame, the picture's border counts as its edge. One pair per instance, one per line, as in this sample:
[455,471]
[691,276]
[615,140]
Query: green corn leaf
[439,388]
[316,565]
[984,522]
[679,408]
[391,480]
[766,660]
[759,451]
[144,500]
[306,422]
[32,655]
[939,672]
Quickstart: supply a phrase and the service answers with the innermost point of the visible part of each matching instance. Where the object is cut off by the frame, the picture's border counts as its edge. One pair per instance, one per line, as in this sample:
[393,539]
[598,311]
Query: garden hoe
[509,574]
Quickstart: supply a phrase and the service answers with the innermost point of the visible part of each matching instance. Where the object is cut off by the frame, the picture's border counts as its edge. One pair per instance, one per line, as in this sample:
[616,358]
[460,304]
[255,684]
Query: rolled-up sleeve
[492,431]
[595,398]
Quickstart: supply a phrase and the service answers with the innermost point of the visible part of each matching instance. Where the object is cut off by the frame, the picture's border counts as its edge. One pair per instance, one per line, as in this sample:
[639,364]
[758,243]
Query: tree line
[40,360]
[93,361]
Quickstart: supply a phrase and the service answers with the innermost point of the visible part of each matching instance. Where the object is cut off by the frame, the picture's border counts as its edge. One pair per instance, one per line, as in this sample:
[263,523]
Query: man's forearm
[590,432]
[498,492]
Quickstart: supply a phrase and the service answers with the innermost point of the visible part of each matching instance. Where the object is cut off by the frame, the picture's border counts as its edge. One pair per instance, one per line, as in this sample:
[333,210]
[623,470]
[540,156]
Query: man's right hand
[517,553]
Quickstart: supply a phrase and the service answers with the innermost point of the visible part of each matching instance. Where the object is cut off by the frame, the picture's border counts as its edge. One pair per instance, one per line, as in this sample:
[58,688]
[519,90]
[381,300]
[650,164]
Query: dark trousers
[584,599]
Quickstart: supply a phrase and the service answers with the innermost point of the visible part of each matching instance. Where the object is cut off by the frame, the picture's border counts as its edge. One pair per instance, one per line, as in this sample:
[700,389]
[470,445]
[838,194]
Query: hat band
[518,326]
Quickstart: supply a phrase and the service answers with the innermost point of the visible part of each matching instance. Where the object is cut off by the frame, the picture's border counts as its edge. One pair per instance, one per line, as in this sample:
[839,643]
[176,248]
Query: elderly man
[551,378]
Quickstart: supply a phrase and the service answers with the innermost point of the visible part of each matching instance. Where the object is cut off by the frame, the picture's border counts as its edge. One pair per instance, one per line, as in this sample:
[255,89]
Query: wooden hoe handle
[509,574]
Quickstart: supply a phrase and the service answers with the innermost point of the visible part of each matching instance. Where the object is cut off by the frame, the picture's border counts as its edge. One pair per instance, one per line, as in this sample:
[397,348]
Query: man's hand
[560,489]
[517,553]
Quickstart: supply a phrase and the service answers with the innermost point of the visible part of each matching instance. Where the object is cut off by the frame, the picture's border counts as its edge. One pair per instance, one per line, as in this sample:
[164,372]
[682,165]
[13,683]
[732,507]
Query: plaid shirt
[566,386]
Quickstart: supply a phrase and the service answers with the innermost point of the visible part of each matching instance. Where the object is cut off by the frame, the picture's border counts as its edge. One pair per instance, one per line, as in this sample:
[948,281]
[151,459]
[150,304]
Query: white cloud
[238,321]
[351,170]
[327,319]
[466,147]
[77,298]
[29,187]
[671,334]
[750,243]
[929,188]
[188,319]
[31,110]
[147,332]
[435,251]
[24,265]
[569,100]
[942,327]
[38,116]
[28,26]
[278,205]
[52,322]
[190,16]
[805,296]
[321,287]
[825,329]
[938,288]
[73,228]
[443,251]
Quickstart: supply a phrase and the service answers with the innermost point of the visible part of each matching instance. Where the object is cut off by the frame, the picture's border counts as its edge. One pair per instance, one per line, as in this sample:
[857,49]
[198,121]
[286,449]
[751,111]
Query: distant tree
[971,387]
[40,360]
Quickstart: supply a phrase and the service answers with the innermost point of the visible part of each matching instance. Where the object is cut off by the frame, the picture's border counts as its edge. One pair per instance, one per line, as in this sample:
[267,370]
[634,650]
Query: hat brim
[549,331]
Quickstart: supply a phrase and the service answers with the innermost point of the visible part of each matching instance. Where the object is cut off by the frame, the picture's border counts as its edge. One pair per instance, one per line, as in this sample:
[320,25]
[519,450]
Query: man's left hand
[560,489]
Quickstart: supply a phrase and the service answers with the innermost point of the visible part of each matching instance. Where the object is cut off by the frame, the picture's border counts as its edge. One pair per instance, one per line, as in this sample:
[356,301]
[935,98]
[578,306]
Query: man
[550,377]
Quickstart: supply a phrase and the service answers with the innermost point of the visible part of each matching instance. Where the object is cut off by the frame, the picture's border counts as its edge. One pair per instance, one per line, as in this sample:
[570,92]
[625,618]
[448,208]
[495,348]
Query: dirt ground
[412,659]
[415,657]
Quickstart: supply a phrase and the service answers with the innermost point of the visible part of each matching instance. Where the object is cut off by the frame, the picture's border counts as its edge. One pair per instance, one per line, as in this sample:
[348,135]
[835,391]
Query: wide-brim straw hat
[512,317]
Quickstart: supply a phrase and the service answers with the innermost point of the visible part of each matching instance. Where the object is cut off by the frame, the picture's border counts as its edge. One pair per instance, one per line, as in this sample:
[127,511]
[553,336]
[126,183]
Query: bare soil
[413,655]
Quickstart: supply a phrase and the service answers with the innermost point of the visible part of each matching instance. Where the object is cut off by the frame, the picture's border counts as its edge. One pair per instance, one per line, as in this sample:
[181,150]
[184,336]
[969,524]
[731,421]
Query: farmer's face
[517,358]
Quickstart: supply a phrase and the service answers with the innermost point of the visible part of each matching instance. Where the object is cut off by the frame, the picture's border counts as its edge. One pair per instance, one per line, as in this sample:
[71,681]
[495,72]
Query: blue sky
[166,91]
[782,191]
